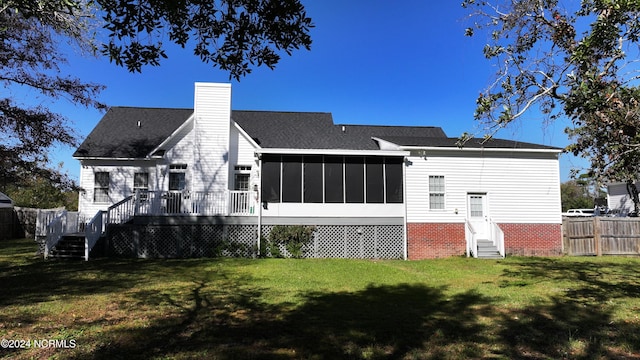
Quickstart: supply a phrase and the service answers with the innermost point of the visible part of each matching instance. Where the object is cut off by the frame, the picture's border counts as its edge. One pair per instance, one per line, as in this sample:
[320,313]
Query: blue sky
[371,62]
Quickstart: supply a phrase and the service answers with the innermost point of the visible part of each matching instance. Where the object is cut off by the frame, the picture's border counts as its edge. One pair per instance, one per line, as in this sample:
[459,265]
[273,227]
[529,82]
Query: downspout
[404,200]
[259,201]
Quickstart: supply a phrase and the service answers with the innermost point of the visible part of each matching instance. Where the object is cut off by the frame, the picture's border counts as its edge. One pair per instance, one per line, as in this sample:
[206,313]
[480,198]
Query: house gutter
[114,158]
[345,152]
[482,149]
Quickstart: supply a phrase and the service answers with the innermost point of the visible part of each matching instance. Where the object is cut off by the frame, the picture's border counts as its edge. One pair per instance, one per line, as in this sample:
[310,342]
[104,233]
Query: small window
[241,182]
[178,167]
[242,174]
[177,181]
[140,182]
[476,208]
[101,187]
[436,192]
[177,177]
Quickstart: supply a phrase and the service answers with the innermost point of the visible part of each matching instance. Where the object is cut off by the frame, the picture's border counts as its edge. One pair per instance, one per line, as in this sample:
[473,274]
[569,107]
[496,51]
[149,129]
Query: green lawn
[528,308]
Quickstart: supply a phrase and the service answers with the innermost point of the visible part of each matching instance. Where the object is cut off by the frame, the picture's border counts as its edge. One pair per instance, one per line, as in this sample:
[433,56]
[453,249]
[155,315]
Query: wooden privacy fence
[7,223]
[601,236]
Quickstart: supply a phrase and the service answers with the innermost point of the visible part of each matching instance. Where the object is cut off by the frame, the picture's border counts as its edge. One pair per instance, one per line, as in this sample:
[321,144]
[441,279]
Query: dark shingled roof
[117,135]
[289,130]
[473,143]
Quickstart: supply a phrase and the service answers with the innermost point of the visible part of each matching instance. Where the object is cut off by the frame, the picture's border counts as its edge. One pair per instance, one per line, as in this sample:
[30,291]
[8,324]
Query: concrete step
[487,250]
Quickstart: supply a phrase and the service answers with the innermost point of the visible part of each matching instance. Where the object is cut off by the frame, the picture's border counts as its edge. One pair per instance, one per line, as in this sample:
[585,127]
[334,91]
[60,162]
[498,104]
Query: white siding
[520,187]
[245,150]
[120,181]
[180,146]
[181,152]
[618,198]
[334,210]
[212,111]
[241,151]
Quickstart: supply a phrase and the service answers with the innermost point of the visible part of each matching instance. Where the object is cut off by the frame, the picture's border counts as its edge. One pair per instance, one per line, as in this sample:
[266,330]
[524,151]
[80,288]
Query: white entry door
[477,214]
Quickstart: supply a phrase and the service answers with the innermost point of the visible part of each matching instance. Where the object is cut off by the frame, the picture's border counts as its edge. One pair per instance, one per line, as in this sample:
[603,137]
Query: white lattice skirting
[210,240]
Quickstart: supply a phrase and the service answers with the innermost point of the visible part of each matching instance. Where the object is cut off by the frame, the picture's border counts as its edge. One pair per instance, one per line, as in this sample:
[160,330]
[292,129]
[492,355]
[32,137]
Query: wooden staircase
[70,246]
[487,250]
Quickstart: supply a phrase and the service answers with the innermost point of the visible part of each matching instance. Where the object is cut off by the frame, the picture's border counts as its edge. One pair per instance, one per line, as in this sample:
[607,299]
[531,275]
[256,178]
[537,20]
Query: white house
[371,191]
[5,201]
[618,199]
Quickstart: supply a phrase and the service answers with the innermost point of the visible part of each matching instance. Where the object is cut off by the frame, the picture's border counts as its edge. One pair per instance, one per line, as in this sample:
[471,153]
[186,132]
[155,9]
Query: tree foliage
[44,190]
[576,195]
[578,62]
[234,35]
[30,61]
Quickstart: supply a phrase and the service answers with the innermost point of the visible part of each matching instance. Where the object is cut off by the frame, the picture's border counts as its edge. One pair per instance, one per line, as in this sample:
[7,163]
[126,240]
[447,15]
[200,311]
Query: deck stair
[70,246]
[488,250]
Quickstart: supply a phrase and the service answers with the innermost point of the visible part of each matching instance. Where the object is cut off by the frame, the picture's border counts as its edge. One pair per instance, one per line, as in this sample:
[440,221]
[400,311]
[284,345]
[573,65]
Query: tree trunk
[632,190]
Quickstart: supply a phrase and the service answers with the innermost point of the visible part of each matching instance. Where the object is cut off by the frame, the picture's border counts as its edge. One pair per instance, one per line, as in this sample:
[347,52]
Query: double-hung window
[101,187]
[241,177]
[436,192]
[141,184]
[177,177]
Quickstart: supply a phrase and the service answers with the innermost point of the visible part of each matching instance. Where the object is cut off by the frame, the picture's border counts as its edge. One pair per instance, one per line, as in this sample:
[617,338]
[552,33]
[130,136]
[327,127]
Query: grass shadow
[378,322]
[236,309]
[590,281]
[580,321]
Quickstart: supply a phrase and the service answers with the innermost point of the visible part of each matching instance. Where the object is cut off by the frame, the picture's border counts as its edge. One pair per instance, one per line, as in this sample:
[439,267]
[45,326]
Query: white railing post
[55,230]
[472,241]
[136,202]
[93,232]
[497,236]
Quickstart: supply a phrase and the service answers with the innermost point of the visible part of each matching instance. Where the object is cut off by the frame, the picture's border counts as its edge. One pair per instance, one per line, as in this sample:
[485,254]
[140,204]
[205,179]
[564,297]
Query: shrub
[292,237]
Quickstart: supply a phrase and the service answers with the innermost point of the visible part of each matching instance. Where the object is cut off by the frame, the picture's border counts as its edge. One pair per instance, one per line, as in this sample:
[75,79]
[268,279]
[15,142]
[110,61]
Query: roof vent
[139,123]
[344,128]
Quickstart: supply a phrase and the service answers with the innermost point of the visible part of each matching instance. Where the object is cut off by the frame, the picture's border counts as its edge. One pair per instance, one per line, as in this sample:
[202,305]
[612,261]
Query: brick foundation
[532,239]
[429,241]
[437,240]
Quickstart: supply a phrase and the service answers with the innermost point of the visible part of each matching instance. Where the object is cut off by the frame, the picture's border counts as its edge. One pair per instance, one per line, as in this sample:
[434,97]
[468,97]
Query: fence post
[565,238]
[597,232]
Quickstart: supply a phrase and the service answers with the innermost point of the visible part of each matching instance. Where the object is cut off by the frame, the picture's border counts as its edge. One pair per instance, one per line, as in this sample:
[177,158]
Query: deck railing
[93,231]
[64,222]
[240,203]
[122,211]
[43,218]
[472,241]
[497,236]
[181,203]
[153,203]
